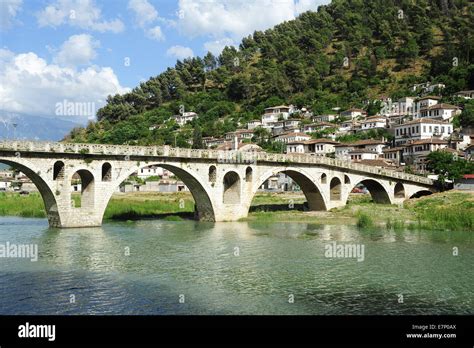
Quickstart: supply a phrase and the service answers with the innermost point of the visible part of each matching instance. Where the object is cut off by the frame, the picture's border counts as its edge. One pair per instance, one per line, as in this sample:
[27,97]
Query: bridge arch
[310,187]
[377,191]
[421,193]
[399,190]
[199,190]
[106,172]
[232,188]
[335,189]
[47,194]
[87,198]
[58,170]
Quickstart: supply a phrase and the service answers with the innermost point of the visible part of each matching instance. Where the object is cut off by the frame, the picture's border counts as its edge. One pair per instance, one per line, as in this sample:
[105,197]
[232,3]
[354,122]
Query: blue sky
[83,50]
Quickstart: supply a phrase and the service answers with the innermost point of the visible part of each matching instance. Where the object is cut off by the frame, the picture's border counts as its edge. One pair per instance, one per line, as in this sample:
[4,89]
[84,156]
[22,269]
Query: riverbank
[447,210]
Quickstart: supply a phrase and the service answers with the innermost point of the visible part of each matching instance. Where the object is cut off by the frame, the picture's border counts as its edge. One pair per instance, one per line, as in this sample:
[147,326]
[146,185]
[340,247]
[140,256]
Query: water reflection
[234,268]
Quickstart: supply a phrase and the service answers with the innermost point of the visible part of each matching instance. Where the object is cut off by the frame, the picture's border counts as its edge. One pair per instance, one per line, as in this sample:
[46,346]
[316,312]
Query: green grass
[364,221]
[450,210]
[25,206]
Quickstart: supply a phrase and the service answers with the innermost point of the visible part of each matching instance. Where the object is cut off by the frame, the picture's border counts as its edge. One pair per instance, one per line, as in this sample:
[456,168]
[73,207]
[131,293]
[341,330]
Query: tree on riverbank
[448,166]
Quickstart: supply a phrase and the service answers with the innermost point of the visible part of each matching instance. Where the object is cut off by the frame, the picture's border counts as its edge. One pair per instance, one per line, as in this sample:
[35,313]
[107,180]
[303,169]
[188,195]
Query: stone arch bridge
[223,183]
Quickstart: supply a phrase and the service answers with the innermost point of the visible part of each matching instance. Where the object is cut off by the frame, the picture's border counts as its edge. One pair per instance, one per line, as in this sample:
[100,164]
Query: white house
[465,94]
[317,147]
[353,113]
[324,118]
[185,117]
[254,124]
[292,137]
[241,135]
[416,152]
[358,155]
[394,155]
[424,103]
[369,145]
[373,122]
[422,128]
[441,111]
[145,173]
[274,113]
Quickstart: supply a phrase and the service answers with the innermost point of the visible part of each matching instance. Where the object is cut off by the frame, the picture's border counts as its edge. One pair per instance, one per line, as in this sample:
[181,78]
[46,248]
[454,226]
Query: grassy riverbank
[451,210]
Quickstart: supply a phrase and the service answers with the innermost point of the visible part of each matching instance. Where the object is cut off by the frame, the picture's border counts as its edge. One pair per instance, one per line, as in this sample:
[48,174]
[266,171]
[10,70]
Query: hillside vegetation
[344,54]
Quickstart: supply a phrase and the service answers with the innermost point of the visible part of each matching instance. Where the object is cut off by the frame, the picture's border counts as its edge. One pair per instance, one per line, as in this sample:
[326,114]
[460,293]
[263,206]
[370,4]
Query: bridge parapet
[167,151]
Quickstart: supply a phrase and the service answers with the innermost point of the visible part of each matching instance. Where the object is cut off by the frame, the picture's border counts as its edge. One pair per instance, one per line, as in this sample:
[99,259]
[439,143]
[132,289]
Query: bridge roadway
[223,183]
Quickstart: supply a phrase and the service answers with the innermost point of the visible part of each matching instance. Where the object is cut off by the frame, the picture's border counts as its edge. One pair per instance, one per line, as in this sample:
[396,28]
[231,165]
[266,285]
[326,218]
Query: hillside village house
[315,127]
[254,124]
[469,153]
[292,137]
[422,128]
[185,117]
[375,146]
[274,114]
[145,173]
[362,154]
[348,126]
[317,147]
[424,103]
[241,134]
[210,141]
[324,118]
[353,113]
[394,155]
[374,122]
[415,152]
[445,112]
[465,94]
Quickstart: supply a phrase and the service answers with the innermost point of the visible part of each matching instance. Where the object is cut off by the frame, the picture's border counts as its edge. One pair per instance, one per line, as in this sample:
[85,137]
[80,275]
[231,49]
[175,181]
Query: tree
[197,138]
[466,119]
[210,61]
[447,166]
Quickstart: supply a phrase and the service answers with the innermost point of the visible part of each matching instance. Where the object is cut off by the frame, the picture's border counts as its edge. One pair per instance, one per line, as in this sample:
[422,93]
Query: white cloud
[34,86]
[144,12]
[155,33]
[83,14]
[236,19]
[180,52]
[8,11]
[216,46]
[77,50]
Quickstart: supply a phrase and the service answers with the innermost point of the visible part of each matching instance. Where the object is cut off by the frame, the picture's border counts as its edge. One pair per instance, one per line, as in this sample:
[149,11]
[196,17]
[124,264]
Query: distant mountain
[29,127]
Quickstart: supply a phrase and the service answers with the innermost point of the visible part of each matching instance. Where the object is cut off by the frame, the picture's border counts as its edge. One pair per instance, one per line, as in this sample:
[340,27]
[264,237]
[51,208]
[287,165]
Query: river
[188,267]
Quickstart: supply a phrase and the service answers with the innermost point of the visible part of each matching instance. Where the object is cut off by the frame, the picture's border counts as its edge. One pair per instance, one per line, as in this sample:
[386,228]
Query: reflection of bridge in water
[223,183]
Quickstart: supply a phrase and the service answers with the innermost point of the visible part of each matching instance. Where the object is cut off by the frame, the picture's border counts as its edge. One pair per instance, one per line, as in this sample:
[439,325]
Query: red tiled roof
[468,176]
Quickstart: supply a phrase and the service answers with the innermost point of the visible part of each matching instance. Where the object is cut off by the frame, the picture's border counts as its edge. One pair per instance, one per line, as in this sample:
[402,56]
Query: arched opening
[399,190]
[169,190]
[58,170]
[347,181]
[231,188]
[296,192]
[49,199]
[376,190]
[421,194]
[324,178]
[106,172]
[82,183]
[248,174]
[212,174]
[335,189]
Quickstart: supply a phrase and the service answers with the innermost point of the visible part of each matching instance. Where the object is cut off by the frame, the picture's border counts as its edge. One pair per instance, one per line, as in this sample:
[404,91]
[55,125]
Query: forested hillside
[347,52]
